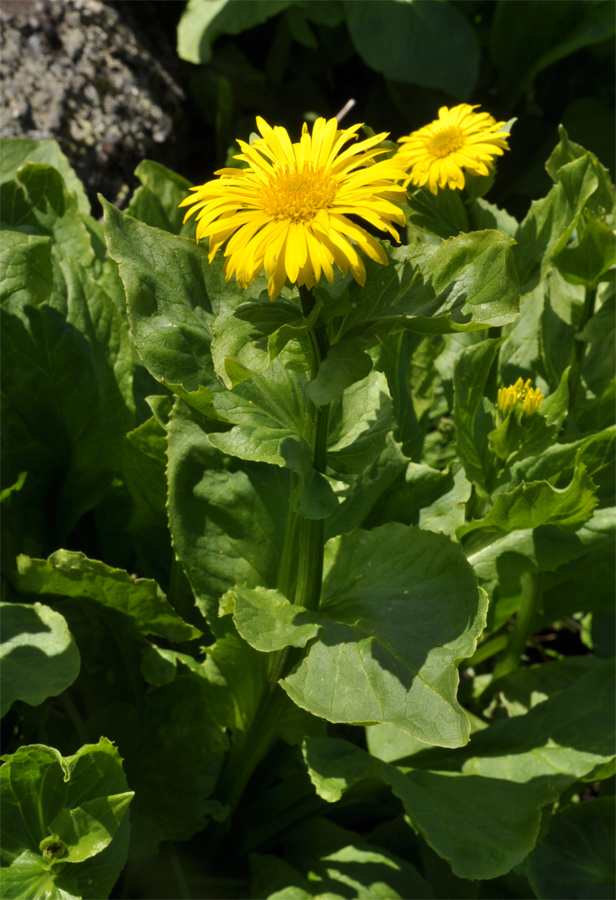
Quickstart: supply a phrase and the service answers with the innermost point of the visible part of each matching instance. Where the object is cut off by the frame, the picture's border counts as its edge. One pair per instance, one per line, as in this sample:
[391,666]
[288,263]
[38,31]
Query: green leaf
[397,44]
[80,801]
[576,859]
[409,363]
[237,677]
[26,267]
[345,364]
[17,152]
[68,399]
[602,323]
[173,296]
[420,486]
[593,256]
[203,20]
[383,655]
[38,201]
[334,859]
[447,512]
[465,283]
[359,424]
[39,656]
[472,412]
[174,732]
[269,411]
[227,518]
[538,503]
[603,201]
[560,740]
[268,621]
[272,878]
[144,462]
[526,39]
[517,765]
[524,688]
[360,493]
[486,215]
[550,222]
[160,666]
[480,846]
[71,574]
[543,549]
[157,201]
[443,215]
[388,743]
[247,339]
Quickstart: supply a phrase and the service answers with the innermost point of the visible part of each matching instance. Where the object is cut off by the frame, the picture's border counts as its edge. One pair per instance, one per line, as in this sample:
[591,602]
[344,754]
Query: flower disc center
[446,141]
[298,196]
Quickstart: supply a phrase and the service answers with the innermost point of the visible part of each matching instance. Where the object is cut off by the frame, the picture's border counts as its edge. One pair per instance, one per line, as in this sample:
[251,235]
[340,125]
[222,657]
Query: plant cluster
[309,598]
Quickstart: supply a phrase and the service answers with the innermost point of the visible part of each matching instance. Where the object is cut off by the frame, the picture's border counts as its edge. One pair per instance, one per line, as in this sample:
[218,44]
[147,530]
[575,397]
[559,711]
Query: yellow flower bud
[521,392]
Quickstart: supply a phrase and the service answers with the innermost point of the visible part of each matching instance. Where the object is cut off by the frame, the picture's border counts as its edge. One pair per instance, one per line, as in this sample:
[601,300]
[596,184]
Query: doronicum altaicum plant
[290,513]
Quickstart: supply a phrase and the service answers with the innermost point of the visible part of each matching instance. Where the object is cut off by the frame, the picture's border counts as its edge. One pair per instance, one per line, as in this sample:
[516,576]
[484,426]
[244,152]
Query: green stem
[287,568]
[524,626]
[246,756]
[311,531]
[485,651]
[300,574]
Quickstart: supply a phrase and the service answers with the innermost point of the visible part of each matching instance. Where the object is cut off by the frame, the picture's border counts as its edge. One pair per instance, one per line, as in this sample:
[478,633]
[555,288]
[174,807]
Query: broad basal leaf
[505,775]
[64,825]
[39,656]
[71,574]
[68,399]
[335,859]
[202,22]
[227,519]
[576,858]
[390,626]
[174,732]
[482,845]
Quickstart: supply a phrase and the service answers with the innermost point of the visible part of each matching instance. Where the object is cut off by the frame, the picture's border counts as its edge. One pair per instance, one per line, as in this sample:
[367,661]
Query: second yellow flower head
[460,139]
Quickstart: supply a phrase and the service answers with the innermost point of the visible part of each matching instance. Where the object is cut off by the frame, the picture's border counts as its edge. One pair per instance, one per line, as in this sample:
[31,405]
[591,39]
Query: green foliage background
[152,435]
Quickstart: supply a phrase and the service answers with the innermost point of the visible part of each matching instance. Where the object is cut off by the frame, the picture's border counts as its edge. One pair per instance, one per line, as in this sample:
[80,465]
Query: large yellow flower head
[459,139]
[287,211]
[522,393]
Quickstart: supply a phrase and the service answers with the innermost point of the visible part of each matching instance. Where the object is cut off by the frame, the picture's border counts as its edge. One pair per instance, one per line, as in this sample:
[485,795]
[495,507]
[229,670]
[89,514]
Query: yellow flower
[287,211]
[520,392]
[459,139]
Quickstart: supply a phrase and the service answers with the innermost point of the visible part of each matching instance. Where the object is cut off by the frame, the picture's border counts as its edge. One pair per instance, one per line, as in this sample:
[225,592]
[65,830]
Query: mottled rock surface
[72,70]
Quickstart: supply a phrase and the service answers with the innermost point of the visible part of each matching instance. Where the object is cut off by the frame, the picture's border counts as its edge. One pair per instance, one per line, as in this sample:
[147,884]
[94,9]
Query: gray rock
[73,71]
